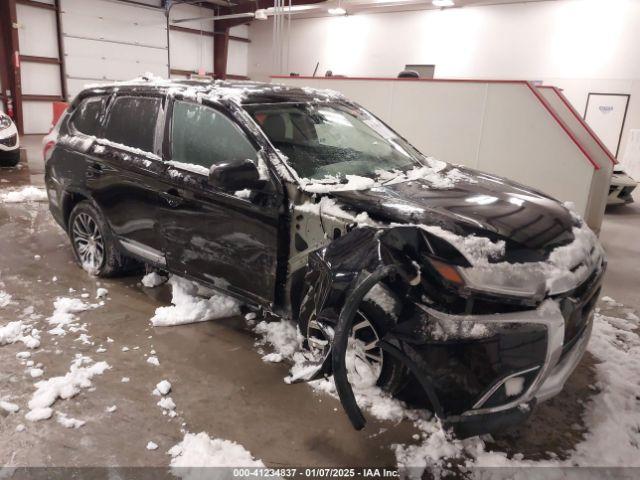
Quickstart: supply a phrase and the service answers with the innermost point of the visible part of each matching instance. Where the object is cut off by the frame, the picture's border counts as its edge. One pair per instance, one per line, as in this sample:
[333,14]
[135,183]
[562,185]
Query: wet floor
[220,384]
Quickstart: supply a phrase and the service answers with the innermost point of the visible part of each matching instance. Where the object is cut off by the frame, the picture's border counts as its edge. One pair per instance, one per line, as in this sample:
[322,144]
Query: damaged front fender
[338,278]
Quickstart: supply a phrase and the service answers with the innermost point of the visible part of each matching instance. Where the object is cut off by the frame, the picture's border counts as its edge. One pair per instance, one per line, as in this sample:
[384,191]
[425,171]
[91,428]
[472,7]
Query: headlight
[5,121]
[526,280]
[499,279]
[521,280]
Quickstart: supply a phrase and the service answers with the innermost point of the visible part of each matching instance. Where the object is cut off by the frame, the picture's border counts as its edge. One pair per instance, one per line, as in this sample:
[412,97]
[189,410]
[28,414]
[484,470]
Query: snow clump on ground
[199,450]
[188,307]
[81,372]
[26,194]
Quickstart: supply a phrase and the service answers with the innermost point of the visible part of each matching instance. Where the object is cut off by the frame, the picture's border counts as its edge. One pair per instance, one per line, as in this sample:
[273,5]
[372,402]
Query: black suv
[459,290]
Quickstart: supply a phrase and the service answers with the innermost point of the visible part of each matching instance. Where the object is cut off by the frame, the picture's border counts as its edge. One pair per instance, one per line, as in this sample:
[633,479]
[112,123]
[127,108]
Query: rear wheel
[93,243]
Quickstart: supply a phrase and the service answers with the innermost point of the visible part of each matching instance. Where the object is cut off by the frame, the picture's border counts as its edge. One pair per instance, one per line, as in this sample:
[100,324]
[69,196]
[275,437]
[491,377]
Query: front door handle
[172,197]
[94,170]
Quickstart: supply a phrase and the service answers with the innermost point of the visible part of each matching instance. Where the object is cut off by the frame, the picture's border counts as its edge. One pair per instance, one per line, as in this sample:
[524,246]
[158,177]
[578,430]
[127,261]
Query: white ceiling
[372,6]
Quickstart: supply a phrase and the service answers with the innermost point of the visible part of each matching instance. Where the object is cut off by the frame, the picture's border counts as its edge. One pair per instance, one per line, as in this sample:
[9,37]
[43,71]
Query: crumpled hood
[481,204]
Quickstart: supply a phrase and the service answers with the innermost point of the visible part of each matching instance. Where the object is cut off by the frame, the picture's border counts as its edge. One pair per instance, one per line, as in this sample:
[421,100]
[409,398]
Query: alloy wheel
[88,242]
[363,357]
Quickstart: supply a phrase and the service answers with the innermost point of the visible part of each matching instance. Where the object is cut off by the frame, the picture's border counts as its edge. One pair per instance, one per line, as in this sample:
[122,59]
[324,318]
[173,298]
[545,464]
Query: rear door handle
[172,197]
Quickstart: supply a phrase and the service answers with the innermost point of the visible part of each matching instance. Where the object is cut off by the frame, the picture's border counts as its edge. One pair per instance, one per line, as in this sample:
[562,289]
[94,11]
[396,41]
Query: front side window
[86,118]
[204,137]
[132,122]
[331,140]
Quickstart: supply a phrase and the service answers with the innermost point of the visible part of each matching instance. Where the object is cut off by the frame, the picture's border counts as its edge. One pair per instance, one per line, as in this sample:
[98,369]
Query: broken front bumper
[487,371]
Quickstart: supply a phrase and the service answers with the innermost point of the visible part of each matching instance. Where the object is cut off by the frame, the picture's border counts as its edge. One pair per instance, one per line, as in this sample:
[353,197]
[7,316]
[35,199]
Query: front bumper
[491,369]
[621,188]
[9,140]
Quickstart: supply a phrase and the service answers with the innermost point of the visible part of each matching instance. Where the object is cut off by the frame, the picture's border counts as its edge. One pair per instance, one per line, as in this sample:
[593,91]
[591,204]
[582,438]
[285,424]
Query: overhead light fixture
[337,11]
[443,3]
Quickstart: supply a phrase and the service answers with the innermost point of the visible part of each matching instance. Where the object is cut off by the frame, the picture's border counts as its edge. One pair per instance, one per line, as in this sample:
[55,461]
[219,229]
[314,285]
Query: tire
[10,159]
[393,375]
[100,255]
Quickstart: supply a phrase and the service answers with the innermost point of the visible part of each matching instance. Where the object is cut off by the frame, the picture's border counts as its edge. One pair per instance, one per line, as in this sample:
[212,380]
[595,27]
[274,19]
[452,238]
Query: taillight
[46,151]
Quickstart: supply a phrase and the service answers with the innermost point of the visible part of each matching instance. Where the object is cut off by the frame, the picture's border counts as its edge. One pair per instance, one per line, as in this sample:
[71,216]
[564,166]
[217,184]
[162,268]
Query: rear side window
[86,118]
[203,136]
[132,121]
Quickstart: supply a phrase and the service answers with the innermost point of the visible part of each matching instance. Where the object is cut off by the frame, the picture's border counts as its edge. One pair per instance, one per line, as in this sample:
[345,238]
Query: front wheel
[94,246]
[367,364]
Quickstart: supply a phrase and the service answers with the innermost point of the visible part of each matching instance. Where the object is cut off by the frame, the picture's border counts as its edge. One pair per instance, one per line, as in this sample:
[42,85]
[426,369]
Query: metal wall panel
[37,31]
[106,40]
[237,59]
[181,11]
[190,51]
[37,117]
[40,79]
[238,55]
[38,37]
[97,60]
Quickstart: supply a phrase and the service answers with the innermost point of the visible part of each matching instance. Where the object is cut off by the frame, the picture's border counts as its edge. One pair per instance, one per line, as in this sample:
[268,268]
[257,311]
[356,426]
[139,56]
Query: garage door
[106,41]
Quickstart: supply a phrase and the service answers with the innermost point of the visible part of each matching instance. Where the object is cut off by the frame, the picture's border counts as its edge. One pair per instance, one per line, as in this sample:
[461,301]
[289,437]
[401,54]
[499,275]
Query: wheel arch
[69,200]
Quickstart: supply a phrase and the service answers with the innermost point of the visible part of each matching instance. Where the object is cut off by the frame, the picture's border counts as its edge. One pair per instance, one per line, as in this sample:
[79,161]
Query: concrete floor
[220,383]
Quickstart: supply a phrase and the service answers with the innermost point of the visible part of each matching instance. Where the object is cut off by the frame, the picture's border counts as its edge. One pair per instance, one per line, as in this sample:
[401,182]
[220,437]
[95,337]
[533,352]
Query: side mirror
[235,175]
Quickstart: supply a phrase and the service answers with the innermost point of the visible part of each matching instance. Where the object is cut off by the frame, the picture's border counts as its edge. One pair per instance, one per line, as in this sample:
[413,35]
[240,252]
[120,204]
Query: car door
[125,177]
[226,239]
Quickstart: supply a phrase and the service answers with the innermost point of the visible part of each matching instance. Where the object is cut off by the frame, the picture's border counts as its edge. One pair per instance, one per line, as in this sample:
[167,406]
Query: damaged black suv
[461,291]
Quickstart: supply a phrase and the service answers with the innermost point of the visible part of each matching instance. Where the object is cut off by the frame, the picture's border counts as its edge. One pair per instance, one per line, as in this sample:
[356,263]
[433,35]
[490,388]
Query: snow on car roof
[239,91]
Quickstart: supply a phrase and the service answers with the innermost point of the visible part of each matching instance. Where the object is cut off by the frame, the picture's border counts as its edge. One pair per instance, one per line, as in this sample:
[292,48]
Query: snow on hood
[435,173]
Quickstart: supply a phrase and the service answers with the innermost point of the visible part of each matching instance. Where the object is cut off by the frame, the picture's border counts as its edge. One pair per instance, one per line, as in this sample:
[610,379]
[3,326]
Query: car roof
[241,91]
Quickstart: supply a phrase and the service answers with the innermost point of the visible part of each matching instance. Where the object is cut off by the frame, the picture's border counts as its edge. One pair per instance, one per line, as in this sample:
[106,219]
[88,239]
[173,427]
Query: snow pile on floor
[9,406]
[286,341]
[26,194]
[189,308]
[283,336]
[162,388]
[68,422]
[199,450]
[16,331]
[48,391]
[64,314]
[5,298]
[612,416]
[153,279]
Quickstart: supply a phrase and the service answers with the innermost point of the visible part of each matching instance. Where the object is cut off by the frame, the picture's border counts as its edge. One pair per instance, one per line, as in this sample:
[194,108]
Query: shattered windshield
[330,141]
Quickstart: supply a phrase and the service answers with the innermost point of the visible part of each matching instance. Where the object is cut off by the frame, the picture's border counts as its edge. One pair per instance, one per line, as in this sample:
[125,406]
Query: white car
[621,187]
[9,142]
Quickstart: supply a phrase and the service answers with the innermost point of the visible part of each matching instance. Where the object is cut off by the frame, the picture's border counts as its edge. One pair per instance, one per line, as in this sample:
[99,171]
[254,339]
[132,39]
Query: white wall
[579,45]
